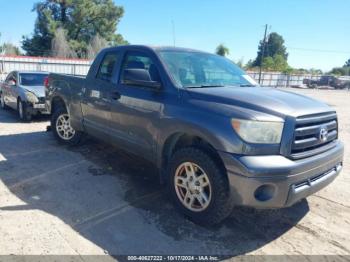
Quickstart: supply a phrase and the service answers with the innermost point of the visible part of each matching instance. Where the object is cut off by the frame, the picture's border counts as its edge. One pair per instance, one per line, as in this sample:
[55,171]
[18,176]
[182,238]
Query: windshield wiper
[247,85]
[205,86]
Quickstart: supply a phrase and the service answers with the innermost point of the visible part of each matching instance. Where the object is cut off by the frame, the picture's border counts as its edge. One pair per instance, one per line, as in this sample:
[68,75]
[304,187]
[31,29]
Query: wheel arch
[179,140]
[56,102]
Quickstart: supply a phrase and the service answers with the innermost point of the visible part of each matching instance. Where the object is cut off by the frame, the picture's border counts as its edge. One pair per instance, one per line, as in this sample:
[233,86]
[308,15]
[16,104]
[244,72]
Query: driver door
[10,91]
[136,113]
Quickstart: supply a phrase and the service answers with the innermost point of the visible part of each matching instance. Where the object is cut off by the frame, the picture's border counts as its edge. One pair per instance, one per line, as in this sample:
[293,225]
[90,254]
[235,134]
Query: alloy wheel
[64,128]
[192,186]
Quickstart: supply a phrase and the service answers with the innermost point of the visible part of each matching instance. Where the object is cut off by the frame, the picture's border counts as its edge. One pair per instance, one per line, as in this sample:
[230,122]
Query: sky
[316,32]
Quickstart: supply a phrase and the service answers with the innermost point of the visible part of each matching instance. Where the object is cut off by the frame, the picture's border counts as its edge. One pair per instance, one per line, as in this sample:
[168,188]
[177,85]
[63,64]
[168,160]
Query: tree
[249,64]
[347,63]
[273,46]
[267,63]
[222,50]
[315,71]
[60,46]
[280,63]
[81,20]
[96,44]
[10,49]
[342,71]
[275,63]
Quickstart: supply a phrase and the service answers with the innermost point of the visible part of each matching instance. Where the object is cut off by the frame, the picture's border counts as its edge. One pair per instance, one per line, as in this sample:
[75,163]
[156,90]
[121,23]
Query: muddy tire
[61,128]
[3,104]
[22,110]
[199,187]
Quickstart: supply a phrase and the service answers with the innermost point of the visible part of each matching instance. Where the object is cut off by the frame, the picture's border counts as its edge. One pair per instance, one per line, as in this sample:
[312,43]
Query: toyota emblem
[323,134]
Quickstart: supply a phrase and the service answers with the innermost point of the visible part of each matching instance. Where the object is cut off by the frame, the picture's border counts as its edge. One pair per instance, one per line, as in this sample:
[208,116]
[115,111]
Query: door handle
[115,95]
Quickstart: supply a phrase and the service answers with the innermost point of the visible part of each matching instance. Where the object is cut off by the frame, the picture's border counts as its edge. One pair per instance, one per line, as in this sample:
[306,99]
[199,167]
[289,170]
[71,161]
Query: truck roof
[156,48]
[31,72]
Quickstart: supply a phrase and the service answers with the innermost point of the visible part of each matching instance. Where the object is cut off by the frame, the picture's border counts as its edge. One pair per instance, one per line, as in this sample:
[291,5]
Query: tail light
[46,82]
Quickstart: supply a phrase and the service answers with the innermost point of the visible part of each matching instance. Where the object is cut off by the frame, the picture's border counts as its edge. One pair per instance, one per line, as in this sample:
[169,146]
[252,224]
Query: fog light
[264,192]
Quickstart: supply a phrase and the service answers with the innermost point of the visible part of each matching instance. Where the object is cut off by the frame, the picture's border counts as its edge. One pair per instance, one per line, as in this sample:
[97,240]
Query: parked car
[337,82]
[24,91]
[217,138]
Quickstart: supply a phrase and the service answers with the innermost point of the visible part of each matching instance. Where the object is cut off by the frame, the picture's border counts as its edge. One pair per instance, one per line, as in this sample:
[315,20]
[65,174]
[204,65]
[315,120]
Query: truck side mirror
[139,77]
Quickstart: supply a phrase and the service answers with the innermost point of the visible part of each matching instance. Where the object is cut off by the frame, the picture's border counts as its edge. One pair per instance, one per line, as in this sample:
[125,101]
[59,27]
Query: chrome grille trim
[306,141]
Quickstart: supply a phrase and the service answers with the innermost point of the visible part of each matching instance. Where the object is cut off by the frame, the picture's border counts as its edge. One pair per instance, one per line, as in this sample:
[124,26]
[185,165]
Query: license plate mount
[39,106]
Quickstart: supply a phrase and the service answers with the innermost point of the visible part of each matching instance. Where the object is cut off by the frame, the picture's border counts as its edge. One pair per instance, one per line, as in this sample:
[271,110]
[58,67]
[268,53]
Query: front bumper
[276,181]
[38,108]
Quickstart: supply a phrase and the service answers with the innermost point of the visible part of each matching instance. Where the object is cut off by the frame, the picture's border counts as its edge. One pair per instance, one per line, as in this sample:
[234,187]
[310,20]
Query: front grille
[307,134]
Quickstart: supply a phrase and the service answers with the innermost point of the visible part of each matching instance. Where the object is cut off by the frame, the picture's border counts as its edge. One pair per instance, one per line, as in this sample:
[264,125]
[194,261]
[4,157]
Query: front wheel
[23,113]
[62,129]
[3,104]
[199,186]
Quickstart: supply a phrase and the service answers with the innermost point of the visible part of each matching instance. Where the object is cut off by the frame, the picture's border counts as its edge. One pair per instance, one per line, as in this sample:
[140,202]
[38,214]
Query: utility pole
[262,53]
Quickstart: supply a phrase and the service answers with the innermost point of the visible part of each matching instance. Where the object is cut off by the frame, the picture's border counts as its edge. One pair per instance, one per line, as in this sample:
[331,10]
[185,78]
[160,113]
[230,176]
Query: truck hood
[265,100]
[39,91]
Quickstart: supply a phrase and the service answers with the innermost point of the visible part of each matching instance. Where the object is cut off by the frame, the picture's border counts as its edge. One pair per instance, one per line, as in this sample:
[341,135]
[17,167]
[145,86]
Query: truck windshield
[192,69]
[31,79]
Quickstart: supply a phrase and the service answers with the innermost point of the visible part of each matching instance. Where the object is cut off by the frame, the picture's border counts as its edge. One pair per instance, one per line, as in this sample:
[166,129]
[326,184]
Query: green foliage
[249,65]
[280,62]
[315,71]
[268,63]
[341,71]
[288,70]
[275,63]
[222,50]
[274,46]
[300,71]
[82,20]
[347,63]
[9,49]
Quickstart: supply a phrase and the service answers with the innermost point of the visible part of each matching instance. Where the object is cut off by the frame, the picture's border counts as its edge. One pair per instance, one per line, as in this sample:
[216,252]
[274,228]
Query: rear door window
[105,72]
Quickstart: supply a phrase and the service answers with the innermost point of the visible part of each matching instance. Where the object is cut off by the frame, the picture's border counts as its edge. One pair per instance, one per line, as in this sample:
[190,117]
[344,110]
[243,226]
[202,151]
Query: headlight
[31,97]
[258,131]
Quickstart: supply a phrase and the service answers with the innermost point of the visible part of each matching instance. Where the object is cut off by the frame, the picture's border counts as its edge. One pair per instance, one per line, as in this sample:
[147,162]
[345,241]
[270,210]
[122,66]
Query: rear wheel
[199,186]
[62,129]
[22,109]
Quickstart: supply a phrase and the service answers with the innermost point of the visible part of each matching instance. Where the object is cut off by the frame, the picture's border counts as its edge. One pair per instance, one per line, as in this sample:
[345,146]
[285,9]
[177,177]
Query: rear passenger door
[96,105]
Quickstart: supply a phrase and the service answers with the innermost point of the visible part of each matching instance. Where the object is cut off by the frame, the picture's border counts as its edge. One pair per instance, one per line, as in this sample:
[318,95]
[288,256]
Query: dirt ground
[95,199]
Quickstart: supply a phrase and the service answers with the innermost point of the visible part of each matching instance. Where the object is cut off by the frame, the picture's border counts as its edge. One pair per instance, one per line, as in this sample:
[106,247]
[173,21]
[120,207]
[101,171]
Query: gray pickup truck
[217,138]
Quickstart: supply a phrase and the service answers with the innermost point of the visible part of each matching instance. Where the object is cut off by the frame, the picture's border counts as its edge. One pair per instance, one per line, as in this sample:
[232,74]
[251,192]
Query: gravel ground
[95,199]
